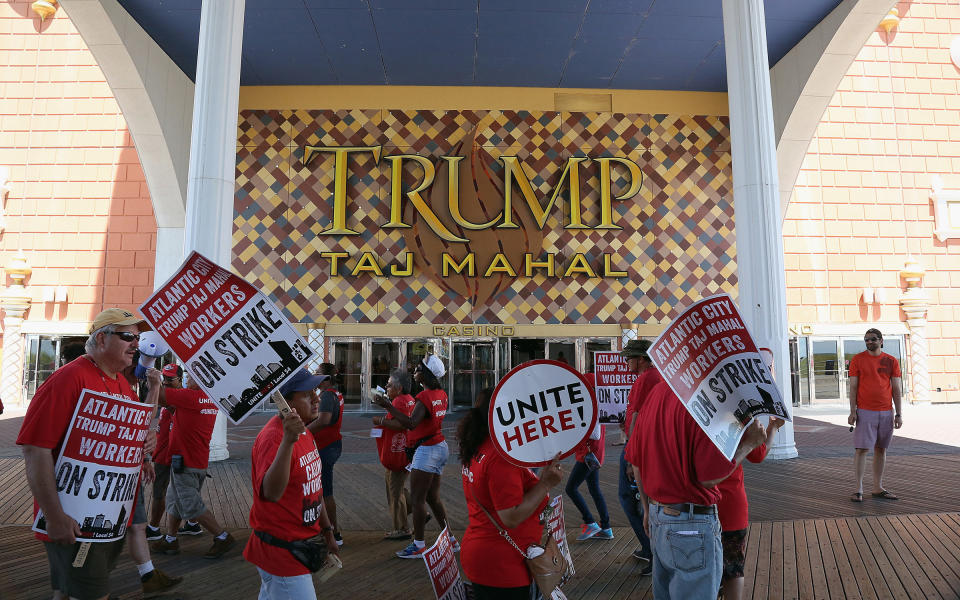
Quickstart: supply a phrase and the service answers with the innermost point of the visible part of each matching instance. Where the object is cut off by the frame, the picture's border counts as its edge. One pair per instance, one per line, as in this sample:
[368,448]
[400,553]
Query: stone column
[915,303]
[15,301]
[762,283]
[213,148]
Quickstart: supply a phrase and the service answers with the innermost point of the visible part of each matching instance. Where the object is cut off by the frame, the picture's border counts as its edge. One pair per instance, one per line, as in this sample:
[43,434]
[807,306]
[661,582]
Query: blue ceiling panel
[427,47]
[633,44]
[527,50]
[351,43]
[599,49]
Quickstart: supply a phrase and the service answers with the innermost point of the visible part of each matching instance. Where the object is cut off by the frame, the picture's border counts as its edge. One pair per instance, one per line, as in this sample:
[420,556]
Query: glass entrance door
[826,370]
[348,358]
[474,368]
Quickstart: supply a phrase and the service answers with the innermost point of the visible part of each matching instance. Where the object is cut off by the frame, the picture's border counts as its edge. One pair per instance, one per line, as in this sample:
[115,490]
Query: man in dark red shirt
[190,436]
[680,468]
[637,362]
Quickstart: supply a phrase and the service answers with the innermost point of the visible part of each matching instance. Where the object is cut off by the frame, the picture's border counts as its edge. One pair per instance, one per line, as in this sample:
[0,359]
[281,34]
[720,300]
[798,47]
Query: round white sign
[540,409]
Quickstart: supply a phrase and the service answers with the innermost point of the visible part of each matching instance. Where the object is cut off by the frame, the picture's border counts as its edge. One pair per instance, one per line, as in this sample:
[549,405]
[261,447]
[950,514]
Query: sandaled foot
[856,497]
[885,495]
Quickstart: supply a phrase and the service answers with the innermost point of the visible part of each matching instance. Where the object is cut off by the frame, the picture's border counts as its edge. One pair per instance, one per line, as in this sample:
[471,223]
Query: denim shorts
[431,459]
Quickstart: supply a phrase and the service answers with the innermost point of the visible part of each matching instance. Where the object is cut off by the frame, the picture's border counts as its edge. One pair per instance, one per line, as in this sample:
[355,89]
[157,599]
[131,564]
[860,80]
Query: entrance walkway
[807,540]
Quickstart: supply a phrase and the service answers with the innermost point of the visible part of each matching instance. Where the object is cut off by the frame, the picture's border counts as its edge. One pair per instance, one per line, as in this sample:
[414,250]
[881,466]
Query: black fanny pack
[411,450]
[310,553]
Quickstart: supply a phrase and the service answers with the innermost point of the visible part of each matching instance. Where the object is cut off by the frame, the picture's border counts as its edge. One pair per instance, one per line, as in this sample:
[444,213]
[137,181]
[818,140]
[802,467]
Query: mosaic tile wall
[677,241]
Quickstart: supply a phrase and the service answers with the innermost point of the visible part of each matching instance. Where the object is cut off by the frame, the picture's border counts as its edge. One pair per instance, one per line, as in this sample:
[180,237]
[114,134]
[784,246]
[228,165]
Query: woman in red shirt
[391,446]
[287,494]
[512,495]
[734,518]
[424,433]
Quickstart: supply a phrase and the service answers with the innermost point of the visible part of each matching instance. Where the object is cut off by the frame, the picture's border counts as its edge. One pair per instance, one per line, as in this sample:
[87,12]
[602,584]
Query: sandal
[398,534]
[885,495]
[857,497]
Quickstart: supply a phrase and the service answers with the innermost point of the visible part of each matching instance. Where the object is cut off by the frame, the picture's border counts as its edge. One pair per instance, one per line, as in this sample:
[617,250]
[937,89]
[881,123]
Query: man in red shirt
[680,468]
[637,362]
[113,340]
[874,379]
[326,433]
[193,423]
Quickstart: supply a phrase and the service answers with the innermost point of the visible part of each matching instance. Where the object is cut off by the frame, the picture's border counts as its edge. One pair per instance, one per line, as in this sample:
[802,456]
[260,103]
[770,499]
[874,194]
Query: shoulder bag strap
[496,524]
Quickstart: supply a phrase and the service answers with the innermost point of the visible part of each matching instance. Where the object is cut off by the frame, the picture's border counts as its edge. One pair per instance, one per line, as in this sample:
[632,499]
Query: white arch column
[213,148]
[761,280]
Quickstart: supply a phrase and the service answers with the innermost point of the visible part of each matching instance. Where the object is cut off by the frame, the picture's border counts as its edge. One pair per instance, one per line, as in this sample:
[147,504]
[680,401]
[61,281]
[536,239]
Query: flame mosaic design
[677,244]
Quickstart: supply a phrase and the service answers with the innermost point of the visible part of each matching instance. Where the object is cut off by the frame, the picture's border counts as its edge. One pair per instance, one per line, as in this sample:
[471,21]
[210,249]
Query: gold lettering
[367,264]
[334,257]
[506,330]
[438,330]
[453,330]
[467,263]
[490,330]
[396,197]
[608,267]
[579,264]
[453,196]
[468,330]
[408,266]
[529,265]
[636,179]
[500,264]
[340,168]
[571,173]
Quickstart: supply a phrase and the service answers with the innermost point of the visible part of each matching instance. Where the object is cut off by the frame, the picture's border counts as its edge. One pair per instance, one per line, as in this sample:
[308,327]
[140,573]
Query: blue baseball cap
[302,381]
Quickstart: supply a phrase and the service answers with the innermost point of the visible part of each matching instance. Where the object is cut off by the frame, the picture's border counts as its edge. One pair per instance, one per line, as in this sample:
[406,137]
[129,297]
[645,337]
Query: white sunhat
[435,365]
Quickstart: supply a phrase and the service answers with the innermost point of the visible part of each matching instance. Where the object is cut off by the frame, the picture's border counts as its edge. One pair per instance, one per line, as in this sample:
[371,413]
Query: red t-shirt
[638,392]
[331,432]
[732,507]
[48,416]
[674,454]
[192,426]
[390,455]
[429,428]
[598,447]
[295,516]
[638,395]
[487,558]
[874,375]
[161,455]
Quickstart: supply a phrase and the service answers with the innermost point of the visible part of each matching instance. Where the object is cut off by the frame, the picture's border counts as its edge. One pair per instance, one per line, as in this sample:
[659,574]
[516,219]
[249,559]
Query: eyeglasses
[126,335]
[871,339]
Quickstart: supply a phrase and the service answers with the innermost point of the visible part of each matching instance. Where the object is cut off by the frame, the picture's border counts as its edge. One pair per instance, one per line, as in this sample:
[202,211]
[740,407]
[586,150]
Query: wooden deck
[807,540]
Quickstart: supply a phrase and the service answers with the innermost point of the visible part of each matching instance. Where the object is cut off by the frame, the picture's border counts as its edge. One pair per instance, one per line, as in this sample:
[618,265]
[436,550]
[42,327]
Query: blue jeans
[578,474]
[627,492]
[688,557]
[274,587]
[328,457]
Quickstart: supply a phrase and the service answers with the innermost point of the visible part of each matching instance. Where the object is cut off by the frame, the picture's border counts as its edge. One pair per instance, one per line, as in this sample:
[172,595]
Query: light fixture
[44,8]
[891,20]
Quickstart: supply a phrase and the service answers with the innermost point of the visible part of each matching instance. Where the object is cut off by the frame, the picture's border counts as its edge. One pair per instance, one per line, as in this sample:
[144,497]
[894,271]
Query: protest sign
[708,358]
[231,338]
[540,409]
[99,465]
[612,383]
[557,528]
[443,569]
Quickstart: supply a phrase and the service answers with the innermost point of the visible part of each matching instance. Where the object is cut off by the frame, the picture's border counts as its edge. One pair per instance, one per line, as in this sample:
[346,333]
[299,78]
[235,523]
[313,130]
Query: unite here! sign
[230,337]
[99,465]
[710,361]
[612,383]
[540,409]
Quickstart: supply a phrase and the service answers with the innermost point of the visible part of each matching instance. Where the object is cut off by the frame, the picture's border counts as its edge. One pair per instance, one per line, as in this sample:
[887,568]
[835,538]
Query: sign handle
[81,556]
[281,403]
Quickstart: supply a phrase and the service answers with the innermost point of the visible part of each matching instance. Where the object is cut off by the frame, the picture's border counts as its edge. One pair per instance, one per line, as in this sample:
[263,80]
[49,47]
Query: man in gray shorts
[875,380]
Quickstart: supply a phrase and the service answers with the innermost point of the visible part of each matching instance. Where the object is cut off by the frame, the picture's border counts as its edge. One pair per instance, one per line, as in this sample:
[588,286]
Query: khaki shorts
[183,494]
[90,581]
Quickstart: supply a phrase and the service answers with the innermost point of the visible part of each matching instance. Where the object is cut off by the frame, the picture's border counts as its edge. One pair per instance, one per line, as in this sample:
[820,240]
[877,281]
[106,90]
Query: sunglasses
[871,339]
[125,335]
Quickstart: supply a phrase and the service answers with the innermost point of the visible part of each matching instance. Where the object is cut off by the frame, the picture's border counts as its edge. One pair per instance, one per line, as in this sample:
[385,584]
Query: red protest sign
[231,338]
[443,569]
[540,409]
[710,361]
[98,469]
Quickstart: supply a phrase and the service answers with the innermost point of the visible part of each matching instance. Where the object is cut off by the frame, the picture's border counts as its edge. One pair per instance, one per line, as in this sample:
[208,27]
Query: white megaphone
[151,348]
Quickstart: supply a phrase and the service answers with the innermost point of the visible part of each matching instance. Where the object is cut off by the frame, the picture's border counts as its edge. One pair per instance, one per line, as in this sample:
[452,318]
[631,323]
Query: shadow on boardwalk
[807,540]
